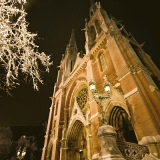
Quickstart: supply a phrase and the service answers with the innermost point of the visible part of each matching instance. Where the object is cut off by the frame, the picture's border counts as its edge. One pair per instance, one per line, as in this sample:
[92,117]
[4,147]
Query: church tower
[133,106]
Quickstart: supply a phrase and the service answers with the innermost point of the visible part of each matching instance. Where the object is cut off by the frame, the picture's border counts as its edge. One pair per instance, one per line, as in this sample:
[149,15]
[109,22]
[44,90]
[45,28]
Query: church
[106,101]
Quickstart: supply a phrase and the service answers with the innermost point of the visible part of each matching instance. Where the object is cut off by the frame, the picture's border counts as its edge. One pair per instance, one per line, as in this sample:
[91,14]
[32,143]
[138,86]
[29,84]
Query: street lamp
[21,153]
[106,133]
[100,97]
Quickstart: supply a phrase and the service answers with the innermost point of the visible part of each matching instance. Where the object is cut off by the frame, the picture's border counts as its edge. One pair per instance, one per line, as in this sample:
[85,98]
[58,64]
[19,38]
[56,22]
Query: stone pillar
[109,149]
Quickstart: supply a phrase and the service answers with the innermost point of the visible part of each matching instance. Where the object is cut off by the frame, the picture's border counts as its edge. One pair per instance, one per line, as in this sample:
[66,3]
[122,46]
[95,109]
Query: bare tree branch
[18,51]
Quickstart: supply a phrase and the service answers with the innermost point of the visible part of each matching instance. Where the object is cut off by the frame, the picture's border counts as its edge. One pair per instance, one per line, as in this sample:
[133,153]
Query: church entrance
[76,141]
[120,120]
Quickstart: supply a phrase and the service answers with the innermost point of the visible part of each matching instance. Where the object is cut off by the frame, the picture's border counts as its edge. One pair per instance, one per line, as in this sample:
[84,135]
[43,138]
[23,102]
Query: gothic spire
[72,40]
[92,7]
[72,45]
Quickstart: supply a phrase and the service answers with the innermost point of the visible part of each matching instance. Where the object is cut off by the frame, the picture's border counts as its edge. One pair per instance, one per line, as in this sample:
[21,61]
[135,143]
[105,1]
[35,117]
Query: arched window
[71,66]
[98,27]
[91,37]
[56,108]
[102,62]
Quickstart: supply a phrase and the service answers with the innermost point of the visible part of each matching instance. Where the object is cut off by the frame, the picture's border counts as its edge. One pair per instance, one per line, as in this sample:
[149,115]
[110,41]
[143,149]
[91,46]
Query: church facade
[132,108]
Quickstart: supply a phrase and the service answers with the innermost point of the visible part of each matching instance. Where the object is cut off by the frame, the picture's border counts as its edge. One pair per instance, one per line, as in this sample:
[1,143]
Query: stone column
[109,149]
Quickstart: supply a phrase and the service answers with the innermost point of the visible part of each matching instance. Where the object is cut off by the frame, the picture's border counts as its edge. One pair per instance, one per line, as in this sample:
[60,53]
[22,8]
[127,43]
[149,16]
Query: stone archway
[76,142]
[119,119]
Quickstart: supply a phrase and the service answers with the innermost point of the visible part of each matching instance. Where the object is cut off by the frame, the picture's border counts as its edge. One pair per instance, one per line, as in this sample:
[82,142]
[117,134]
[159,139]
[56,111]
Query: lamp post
[100,97]
[106,133]
[21,153]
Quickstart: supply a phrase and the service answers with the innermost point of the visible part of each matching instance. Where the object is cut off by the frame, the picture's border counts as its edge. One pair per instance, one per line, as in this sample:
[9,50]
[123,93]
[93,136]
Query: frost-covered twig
[18,51]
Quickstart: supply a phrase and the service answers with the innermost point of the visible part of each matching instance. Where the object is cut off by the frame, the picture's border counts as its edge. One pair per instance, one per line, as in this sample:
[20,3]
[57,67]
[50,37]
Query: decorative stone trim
[94,116]
[91,101]
[109,39]
[143,69]
[77,114]
[132,151]
[117,85]
[131,92]
[95,156]
[152,88]
[58,92]
[93,63]
[123,73]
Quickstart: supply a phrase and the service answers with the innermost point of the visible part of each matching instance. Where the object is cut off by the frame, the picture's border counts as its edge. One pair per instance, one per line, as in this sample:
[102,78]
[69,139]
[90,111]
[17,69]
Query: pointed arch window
[56,108]
[91,36]
[98,26]
[71,66]
[102,61]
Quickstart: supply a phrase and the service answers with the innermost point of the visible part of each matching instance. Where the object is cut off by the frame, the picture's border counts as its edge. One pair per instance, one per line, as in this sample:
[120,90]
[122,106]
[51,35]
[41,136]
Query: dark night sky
[54,21]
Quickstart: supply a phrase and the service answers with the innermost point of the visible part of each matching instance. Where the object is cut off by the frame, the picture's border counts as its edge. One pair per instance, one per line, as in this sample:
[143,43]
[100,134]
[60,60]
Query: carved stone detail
[82,97]
[132,150]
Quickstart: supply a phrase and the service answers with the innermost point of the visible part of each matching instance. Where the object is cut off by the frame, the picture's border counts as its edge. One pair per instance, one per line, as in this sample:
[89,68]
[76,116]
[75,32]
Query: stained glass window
[82,97]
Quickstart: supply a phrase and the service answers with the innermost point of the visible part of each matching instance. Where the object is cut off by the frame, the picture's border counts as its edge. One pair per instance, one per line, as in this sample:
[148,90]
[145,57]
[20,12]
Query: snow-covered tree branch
[18,52]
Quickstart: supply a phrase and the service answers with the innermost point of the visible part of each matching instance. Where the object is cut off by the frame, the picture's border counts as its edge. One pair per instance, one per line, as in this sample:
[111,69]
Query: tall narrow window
[71,66]
[102,61]
[56,108]
[91,37]
[98,27]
